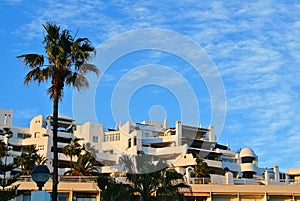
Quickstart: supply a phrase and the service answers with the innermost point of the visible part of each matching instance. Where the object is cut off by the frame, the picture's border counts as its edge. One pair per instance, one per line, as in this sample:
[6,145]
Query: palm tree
[88,148]
[84,166]
[40,160]
[67,65]
[29,158]
[201,168]
[111,190]
[72,149]
[162,183]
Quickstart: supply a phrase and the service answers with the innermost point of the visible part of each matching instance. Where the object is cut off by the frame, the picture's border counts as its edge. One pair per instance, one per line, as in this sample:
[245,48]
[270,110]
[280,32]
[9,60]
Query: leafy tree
[67,65]
[72,149]
[146,181]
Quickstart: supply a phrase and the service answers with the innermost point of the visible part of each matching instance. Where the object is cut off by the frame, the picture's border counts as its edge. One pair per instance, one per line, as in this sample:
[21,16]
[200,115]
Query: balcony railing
[80,179]
[199,180]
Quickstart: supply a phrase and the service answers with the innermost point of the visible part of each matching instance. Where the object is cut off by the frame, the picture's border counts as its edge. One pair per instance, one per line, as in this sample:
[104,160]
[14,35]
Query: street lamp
[40,175]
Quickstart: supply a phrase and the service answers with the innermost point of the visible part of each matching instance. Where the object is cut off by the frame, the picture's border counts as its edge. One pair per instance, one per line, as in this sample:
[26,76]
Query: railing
[27,178]
[244,181]
[213,163]
[199,180]
[77,178]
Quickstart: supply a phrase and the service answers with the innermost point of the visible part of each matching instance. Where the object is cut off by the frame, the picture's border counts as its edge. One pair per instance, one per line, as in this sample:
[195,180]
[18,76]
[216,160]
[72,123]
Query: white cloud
[26,113]
[254,45]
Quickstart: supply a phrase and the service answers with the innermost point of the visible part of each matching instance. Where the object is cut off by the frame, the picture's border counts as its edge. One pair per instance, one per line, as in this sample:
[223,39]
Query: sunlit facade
[179,145]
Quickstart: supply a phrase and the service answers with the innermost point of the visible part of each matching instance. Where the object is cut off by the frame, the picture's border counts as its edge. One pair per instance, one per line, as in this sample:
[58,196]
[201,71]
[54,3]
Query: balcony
[248,167]
[199,180]
[164,150]
[65,134]
[212,163]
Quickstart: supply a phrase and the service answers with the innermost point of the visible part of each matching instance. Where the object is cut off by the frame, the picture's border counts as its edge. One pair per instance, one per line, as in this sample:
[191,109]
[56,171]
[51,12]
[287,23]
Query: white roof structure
[247,152]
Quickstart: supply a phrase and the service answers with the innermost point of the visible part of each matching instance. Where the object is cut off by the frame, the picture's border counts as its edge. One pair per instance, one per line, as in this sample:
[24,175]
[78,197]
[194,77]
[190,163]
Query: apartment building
[179,145]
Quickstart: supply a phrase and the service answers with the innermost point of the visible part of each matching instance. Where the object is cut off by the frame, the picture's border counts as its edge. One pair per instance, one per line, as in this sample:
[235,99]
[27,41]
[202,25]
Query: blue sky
[254,45]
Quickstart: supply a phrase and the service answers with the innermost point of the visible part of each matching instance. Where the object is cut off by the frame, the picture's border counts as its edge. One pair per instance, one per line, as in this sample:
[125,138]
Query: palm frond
[52,35]
[32,60]
[89,68]
[36,75]
[77,80]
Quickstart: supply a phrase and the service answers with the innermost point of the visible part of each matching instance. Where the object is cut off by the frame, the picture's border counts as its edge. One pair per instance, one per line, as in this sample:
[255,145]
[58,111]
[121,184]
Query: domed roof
[247,152]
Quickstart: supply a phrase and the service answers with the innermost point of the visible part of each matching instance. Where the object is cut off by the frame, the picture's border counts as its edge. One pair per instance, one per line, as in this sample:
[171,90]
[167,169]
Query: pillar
[229,178]
[178,133]
[276,174]
[267,177]
[211,134]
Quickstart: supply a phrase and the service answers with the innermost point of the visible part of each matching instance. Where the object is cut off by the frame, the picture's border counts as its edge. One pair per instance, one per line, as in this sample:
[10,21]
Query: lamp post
[40,175]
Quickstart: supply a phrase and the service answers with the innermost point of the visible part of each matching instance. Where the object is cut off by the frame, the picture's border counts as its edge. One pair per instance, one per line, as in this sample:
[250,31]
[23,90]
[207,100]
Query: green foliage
[67,61]
[85,164]
[111,190]
[9,193]
[29,158]
[67,66]
[201,168]
[72,149]
[3,149]
[145,181]
[8,189]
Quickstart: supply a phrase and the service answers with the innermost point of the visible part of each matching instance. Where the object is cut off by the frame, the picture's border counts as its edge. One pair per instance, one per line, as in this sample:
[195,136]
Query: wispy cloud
[254,45]
[26,113]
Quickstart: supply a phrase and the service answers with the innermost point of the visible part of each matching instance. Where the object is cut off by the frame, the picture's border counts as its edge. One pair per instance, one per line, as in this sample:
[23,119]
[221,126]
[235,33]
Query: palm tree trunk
[55,151]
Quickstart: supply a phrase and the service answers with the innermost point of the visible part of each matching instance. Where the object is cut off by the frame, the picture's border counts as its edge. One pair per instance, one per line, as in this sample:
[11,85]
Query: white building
[180,145]
[40,134]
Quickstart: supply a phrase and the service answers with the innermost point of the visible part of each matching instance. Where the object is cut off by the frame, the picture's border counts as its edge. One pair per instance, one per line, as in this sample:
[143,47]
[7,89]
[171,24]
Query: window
[134,141]
[118,137]
[62,196]
[25,196]
[248,159]
[84,197]
[109,151]
[105,138]
[37,134]
[20,135]
[112,137]
[17,148]
[95,138]
[129,142]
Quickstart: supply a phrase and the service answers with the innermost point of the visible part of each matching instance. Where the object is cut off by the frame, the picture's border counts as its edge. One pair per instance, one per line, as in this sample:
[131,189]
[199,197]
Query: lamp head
[40,174]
